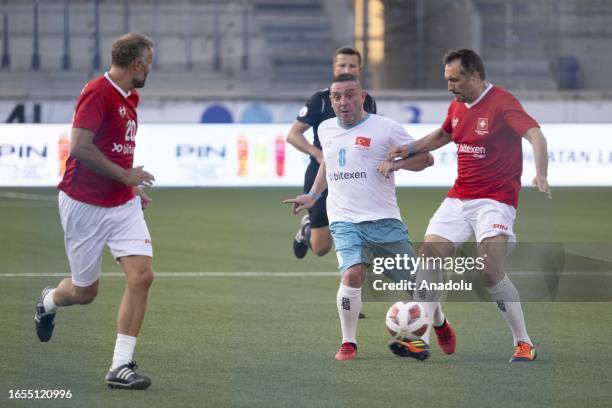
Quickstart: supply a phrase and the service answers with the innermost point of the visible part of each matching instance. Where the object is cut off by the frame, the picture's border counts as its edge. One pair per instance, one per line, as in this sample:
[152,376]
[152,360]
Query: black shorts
[318,213]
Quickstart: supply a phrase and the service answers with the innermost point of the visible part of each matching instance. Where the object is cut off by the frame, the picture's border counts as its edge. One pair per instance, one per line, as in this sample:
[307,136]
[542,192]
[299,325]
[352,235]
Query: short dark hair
[470,61]
[128,48]
[345,78]
[348,51]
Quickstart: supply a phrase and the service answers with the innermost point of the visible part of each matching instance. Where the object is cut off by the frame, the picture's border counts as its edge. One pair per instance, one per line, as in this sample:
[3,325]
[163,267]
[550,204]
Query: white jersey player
[361,203]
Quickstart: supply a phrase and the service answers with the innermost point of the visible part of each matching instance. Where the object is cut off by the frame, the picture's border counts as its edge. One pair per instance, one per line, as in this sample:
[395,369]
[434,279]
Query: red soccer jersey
[489,151]
[105,109]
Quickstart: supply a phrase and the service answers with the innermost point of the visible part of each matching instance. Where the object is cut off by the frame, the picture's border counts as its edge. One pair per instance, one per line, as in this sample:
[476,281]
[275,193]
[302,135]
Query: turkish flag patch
[363,141]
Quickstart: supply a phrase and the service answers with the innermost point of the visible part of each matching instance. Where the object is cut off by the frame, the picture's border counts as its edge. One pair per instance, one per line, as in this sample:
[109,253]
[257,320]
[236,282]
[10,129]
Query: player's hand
[400,152]
[136,176]
[301,202]
[542,184]
[386,168]
[145,200]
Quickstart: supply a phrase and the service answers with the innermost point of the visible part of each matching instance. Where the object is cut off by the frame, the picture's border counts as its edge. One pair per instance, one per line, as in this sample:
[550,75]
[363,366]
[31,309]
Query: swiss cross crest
[482,124]
[455,122]
[122,111]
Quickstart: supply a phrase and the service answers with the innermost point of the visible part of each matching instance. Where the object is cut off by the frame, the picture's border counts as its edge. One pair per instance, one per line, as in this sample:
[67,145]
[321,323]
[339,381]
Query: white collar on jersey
[482,95]
[359,122]
[117,87]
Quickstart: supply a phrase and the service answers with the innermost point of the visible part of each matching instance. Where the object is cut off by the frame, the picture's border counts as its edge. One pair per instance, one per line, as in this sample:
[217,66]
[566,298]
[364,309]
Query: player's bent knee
[435,245]
[149,278]
[494,253]
[138,271]
[142,278]
[320,249]
[353,276]
[491,265]
[320,241]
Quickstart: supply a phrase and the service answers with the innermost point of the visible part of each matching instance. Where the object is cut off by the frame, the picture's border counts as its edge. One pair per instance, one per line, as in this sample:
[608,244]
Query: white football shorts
[457,220]
[89,228]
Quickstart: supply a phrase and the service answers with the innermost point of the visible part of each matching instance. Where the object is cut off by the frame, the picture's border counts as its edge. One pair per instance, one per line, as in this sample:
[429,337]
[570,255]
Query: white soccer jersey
[357,192]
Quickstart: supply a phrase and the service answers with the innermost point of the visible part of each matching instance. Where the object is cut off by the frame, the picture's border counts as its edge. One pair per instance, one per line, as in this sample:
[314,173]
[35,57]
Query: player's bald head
[345,78]
[347,98]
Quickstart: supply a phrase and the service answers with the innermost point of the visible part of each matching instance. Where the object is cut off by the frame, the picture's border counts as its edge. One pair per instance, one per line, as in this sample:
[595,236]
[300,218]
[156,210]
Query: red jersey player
[487,123]
[101,203]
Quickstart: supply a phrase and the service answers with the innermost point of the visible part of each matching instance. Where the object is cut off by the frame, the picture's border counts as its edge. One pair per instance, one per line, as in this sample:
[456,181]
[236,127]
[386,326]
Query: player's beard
[350,118]
[346,118]
[139,83]
[459,97]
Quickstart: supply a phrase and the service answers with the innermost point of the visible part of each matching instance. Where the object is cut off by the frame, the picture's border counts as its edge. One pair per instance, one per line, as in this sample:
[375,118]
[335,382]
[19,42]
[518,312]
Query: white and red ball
[406,320]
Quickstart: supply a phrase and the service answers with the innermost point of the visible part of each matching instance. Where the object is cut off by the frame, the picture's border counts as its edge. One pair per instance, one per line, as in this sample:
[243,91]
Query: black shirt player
[314,227]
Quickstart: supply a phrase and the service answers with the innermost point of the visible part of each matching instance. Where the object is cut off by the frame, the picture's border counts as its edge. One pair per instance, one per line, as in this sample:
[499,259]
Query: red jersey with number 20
[110,113]
[489,146]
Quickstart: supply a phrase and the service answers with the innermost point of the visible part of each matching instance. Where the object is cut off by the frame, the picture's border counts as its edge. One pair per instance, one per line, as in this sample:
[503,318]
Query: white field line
[27,196]
[269,274]
[180,274]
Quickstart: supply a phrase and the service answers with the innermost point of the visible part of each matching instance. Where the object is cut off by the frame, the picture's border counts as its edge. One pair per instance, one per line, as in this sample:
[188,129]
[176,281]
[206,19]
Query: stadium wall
[399,108]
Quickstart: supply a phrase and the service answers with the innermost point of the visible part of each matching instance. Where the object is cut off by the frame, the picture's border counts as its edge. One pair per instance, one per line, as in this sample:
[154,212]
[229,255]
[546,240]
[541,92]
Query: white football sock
[48,303]
[430,310]
[429,299]
[438,317]
[124,350]
[348,301]
[506,296]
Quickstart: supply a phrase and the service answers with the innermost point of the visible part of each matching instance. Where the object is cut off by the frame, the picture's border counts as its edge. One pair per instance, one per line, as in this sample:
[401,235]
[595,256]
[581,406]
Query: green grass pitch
[269,341]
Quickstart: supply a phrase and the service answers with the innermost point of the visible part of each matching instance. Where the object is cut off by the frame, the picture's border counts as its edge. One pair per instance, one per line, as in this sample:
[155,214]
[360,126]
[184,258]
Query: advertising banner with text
[258,155]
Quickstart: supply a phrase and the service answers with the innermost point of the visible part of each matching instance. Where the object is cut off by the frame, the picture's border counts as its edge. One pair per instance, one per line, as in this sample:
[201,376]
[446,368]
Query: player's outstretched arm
[417,162]
[296,138]
[83,149]
[305,201]
[540,154]
[432,141]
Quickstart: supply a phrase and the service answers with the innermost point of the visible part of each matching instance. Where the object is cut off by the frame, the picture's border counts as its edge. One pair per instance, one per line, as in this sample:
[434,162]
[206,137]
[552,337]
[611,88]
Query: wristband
[314,195]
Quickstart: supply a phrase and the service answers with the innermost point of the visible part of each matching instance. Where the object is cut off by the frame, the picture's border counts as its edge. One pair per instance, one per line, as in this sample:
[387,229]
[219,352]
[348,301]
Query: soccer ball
[406,320]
